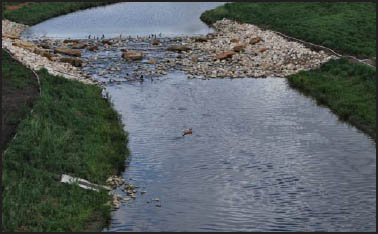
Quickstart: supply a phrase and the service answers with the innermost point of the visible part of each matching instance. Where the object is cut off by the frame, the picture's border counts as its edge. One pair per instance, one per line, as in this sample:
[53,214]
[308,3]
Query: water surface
[128,19]
[262,157]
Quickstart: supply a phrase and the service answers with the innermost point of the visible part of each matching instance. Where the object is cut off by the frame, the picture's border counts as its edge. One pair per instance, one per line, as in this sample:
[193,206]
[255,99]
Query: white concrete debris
[85,184]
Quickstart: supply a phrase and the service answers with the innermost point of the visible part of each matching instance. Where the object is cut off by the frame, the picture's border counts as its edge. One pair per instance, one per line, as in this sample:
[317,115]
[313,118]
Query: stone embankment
[234,50]
[36,57]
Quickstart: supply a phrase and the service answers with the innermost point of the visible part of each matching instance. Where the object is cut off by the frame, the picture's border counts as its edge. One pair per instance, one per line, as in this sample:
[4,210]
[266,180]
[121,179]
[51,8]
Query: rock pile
[115,181]
[35,56]
[233,51]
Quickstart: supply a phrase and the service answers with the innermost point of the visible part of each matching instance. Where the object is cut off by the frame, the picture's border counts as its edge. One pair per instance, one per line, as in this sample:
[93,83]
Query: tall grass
[72,130]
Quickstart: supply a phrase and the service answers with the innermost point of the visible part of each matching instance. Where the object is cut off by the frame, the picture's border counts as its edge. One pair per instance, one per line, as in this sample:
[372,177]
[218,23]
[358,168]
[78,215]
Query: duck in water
[187,132]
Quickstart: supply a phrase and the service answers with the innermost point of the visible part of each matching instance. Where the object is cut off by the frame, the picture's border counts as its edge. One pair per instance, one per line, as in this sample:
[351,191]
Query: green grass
[348,27]
[37,12]
[20,76]
[349,89]
[20,88]
[72,130]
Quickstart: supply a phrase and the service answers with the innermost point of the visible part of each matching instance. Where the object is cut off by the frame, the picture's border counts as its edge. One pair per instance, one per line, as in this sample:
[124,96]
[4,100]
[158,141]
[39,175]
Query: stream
[262,157]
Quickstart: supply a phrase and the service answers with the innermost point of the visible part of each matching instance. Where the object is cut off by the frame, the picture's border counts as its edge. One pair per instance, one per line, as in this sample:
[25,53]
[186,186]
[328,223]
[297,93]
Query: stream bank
[70,130]
[348,89]
[258,159]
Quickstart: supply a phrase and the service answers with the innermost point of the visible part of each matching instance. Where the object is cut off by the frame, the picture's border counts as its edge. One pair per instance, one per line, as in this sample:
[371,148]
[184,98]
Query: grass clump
[349,89]
[72,130]
[37,12]
[348,27]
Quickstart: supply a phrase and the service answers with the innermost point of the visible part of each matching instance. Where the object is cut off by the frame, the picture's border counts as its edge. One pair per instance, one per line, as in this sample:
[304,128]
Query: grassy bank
[350,28]
[20,89]
[36,12]
[72,130]
[348,89]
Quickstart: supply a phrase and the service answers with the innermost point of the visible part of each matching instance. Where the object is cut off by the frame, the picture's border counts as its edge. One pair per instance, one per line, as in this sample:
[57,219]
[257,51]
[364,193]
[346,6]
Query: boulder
[108,41]
[67,51]
[262,50]
[178,48]
[255,40]
[200,39]
[73,61]
[45,46]
[225,55]
[43,53]
[234,40]
[25,45]
[195,58]
[10,35]
[132,55]
[211,36]
[155,42]
[92,48]
[80,45]
[70,41]
[152,61]
[238,48]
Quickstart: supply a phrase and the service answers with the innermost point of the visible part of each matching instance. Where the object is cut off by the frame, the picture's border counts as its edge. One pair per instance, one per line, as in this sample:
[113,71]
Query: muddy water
[262,157]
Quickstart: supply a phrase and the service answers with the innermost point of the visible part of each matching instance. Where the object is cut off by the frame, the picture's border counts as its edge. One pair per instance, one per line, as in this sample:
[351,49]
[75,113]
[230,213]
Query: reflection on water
[130,18]
[261,158]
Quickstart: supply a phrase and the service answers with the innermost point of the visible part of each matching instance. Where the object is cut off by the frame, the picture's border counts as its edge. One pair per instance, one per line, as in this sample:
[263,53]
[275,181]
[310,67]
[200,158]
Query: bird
[186,132]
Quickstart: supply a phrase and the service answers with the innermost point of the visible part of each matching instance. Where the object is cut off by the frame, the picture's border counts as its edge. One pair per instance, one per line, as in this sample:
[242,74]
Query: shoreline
[233,51]
[51,72]
[187,58]
[352,79]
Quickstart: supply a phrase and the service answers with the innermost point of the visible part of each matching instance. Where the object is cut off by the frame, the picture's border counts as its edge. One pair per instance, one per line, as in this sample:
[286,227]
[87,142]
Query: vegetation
[71,130]
[20,88]
[348,27]
[349,89]
[36,12]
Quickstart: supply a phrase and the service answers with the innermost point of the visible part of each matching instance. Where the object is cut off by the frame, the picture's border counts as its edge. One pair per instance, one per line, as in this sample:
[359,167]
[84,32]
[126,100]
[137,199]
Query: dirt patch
[16,7]
[17,101]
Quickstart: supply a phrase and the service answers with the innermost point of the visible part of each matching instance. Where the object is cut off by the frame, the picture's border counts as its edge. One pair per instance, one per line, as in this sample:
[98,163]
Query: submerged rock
[80,45]
[178,48]
[67,51]
[132,55]
[73,61]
